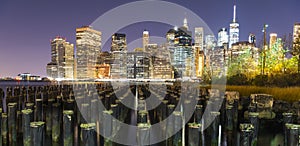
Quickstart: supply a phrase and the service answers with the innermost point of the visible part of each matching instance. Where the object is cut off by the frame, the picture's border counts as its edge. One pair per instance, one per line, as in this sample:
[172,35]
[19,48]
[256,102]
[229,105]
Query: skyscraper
[273,39]
[199,37]
[199,61]
[118,51]
[185,24]
[252,39]
[160,67]
[62,59]
[182,53]
[222,37]
[138,63]
[234,29]
[296,33]
[88,45]
[145,38]
[118,42]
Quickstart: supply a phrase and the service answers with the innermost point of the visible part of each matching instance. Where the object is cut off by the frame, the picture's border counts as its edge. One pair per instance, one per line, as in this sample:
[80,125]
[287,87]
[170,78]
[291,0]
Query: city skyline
[18,50]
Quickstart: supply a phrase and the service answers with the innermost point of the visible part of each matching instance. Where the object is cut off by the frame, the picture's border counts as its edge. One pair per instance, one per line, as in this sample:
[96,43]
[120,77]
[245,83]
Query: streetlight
[264,47]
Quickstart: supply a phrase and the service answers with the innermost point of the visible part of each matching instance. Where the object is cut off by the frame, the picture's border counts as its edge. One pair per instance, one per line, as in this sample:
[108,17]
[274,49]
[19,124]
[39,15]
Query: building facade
[62,59]
[234,29]
[199,37]
[222,37]
[296,31]
[145,38]
[160,66]
[273,39]
[88,45]
[119,55]
[138,63]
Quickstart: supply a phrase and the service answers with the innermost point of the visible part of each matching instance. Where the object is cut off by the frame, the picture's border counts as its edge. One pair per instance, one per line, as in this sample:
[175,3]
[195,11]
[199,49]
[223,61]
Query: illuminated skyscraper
[252,39]
[185,24]
[234,29]
[62,59]
[171,37]
[222,37]
[145,39]
[118,51]
[210,43]
[118,42]
[151,48]
[88,45]
[161,68]
[138,63]
[296,32]
[273,39]
[199,61]
[103,65]
[183,53]
[199,37]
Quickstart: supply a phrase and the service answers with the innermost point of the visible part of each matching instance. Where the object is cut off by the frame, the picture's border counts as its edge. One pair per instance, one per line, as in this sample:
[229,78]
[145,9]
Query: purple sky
[27,26]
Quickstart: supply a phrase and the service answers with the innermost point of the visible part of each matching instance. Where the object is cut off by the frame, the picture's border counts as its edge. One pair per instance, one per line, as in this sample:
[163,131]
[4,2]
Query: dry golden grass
[287,94]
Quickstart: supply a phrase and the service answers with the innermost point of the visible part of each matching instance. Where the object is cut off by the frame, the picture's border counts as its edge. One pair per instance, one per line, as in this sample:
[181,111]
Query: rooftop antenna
[234,11]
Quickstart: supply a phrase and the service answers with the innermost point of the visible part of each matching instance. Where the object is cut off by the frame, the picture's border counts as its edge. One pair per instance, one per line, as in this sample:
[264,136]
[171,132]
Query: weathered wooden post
[37,133]
[68,127]
[26,119]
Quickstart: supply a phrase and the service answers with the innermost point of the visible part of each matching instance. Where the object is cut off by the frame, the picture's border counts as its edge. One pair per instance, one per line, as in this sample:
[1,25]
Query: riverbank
[290,94]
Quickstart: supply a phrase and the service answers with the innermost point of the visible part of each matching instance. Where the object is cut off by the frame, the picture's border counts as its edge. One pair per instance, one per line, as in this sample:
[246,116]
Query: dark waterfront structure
[101,113]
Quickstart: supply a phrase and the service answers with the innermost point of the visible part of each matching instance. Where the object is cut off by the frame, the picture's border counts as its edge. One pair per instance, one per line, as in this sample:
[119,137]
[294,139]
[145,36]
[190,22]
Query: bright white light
[176,28]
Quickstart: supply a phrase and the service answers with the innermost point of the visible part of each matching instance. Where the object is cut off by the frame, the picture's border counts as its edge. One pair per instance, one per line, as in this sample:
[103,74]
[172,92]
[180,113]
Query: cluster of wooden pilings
[87,114]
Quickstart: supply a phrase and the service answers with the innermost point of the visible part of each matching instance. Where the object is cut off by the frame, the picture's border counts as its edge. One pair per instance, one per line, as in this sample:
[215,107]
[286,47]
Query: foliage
[279,70]
[244,63]
[288,94]
[238,79]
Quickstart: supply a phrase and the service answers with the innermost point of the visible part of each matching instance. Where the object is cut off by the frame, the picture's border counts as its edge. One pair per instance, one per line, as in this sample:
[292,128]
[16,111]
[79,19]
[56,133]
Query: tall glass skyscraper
[119,54]
[296,31]
[222,37]
[182,52]
[145,39]
[62,59]
[234,30]
[88,48]
[199,37]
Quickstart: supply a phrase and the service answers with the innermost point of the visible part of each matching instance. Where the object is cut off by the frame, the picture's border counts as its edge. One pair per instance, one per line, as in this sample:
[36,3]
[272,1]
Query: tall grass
[288,94]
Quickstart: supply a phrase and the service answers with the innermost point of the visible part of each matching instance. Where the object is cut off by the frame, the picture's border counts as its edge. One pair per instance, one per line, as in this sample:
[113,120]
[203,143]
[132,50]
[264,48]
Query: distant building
[182,53]
[240,48]
[296,32]
[199,37]
[171,36]
[138,63]
[28,77]
[210,43]
[222,37]
[103,66]
[160,66]
[234,29]
[252,39]
[62,59]
[151,48]
[103,71]
[199,61]
[119,54]
[273,39]
[88,45]
[145,38]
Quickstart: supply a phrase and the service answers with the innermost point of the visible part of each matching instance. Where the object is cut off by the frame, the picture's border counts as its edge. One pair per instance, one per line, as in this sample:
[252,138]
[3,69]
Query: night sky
[28,25]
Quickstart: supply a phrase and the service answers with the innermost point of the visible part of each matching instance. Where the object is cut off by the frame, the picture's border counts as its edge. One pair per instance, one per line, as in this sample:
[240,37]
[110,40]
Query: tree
[244,63]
